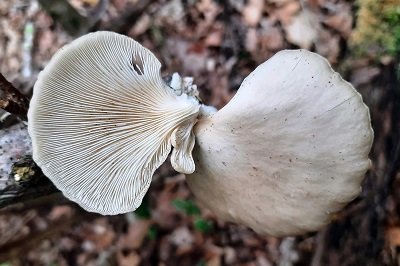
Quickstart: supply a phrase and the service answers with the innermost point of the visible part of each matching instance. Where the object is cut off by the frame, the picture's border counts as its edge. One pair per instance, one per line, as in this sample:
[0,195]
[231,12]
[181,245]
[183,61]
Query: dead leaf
[280,2]
[252,12]
[328,45]
[364,75]
[130,259]
[393,236]
[341,22]
[165,249]
[137,232]
[164,212]
[251,40]
[98,235]
[59,212]
[183,239]
[286,12]
[262,260]
[302,30]
[271,37]
[215,36]
[214,261]
[209,9]
[141,26]
[181,236]
[230,255]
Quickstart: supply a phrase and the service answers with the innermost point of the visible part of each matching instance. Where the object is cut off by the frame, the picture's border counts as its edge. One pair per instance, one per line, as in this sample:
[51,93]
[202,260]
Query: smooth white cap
[289,150]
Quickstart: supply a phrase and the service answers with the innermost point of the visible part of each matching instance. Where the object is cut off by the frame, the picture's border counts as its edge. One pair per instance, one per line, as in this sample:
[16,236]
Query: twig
[40,201]
[12,100]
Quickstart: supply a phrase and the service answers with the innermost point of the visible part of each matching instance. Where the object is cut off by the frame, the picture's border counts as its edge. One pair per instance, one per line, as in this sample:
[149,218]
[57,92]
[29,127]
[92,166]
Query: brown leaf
[364,75]
[130,259]
[328,45]
[181,236]
[98,235]
[215,37]
[163,215]
[251,40]
[214,261]
[252,12]
[393,236]
[59,212]
[230,255]
[287,11]
[141,26]
[341,22]
[271,37]
[302,30]
[137,232]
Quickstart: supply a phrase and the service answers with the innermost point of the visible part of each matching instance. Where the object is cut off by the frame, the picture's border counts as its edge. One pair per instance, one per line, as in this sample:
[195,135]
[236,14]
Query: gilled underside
[290,149]
[101,121]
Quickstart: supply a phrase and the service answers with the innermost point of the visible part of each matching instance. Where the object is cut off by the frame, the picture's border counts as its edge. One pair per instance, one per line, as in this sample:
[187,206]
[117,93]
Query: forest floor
[218,43]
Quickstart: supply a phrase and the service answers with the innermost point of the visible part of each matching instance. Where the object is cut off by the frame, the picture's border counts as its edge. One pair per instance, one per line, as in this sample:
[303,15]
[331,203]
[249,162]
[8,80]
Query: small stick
[12,100]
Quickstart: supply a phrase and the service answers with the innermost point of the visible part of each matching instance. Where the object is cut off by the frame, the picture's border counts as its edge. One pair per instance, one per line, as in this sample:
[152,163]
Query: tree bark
[26,186]
[12,100]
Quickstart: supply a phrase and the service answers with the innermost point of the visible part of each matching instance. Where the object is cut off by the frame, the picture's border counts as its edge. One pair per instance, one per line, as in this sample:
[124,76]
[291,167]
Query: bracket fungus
[286,152]
[101,121]
[289,150]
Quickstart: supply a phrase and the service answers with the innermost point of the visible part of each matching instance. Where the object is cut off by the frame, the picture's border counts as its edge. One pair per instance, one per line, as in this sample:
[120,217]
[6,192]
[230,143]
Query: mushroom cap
[101,120]
[289,150]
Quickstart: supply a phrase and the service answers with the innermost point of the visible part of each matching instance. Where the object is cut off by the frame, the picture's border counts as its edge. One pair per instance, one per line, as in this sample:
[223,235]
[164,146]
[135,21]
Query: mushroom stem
[207,110]
[185,86]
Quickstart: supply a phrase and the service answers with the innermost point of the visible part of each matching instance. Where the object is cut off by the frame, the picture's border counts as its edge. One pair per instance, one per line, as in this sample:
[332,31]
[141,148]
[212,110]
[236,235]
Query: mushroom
[289,150]
[102,121]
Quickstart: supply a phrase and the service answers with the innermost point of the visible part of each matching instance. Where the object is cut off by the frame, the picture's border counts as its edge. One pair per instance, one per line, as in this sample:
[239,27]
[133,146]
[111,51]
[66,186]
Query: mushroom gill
[101,121]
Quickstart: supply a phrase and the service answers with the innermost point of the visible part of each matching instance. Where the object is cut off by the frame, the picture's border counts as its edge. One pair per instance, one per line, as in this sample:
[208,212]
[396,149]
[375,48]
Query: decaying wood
[27,186]
[12,100]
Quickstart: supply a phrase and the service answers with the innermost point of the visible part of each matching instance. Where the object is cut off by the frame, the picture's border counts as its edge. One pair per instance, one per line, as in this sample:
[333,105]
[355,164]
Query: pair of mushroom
[289,150]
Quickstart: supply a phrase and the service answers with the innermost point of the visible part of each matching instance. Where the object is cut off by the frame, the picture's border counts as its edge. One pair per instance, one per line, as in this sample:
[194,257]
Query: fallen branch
[12,100]
[26,185]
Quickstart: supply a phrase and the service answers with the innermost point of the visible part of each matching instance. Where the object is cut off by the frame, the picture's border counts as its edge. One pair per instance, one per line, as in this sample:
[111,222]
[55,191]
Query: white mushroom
[102,121]
[287,151]
[290,149]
